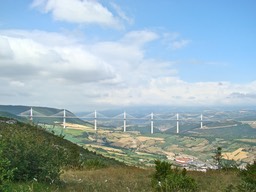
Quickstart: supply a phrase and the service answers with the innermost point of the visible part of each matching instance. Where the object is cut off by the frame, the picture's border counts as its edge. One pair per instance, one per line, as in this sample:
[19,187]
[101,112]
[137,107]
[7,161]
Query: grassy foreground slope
[115,179]
[34,135]
[28,152]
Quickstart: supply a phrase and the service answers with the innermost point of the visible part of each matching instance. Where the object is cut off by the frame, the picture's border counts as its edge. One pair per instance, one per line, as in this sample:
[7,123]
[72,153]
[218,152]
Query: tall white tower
[152,123]
[95,120]
[31,115]
[201,121]
[124,121]
[177,126]
[64,118]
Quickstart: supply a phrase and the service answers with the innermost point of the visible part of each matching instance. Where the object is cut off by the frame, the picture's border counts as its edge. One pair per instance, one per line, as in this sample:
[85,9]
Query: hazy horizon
[139,109]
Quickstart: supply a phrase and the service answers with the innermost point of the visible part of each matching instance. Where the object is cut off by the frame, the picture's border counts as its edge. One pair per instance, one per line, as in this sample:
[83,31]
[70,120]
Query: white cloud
[78,11]
[32,58]
[174,92]
[139,37]
[179,44]
[5,49]
[127,57]
[50,69]
[243,95]
[17,84]
[126,54]
[174,41]
[121,13]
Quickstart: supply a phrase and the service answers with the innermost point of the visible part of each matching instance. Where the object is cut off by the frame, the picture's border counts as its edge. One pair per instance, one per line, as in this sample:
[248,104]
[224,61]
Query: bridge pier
[201,121]
[124,121]
[31,115]
[177,125]
[64,118]
[152,123]
[95,120]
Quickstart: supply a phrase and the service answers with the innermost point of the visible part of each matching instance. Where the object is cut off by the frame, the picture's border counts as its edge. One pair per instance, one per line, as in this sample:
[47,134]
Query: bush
[248,177]
[167,179]
[33,153]
[6,173]
[93,164]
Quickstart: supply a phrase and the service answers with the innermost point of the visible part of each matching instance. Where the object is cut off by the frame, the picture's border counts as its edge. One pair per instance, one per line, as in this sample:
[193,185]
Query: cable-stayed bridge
[149,119]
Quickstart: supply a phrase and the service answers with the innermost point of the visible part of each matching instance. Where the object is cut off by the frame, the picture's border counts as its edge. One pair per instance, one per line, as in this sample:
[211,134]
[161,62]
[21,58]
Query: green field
[141,153]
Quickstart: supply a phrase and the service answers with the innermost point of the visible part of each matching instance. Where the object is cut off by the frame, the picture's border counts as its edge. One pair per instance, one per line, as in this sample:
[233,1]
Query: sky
[98,54]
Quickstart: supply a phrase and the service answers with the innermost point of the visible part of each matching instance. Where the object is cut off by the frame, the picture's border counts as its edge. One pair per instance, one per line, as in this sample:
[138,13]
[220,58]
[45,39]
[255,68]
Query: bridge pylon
[152,123]
[95,120]
[31,115]
[201,125]
[177,125]
[64,118]
[124,121]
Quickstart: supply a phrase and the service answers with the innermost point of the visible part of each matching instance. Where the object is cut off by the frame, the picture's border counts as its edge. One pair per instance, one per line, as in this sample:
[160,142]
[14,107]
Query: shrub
[163,169]
[167,179]
[6,173]
[32,153]
[93,164]
[248,177]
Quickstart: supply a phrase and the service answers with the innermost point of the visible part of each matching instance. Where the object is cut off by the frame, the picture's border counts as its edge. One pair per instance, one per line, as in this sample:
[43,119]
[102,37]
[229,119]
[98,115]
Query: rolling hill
[43,115]
[193,141]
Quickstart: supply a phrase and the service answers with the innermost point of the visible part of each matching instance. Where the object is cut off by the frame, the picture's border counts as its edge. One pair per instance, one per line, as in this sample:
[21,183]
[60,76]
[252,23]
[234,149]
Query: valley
[141,143]
[134,148]
[108,157]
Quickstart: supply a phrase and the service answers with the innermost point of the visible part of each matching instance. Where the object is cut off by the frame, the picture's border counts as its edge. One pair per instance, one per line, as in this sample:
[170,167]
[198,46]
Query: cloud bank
[65,72]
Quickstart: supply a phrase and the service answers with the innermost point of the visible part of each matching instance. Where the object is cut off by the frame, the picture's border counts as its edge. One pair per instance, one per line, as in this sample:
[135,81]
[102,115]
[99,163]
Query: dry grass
[143,138]
[247,140]
[132,179]
[237,155]
[126,179]
[215,181]
[77,126]
[109,179]
[104,147]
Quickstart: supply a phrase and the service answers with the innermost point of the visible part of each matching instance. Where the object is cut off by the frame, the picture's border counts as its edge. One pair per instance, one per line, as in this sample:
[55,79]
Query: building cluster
[194,165]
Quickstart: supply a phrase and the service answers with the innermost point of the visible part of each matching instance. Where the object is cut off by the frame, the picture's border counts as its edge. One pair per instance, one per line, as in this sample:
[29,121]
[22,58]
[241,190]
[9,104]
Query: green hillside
[44,115]
[29,152]
[12,116]
[239,131]
[8,131]
[13,109]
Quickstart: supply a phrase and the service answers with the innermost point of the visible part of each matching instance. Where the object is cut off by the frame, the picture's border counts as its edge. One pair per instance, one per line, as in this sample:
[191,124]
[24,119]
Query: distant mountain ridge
[14,111]
[17,109]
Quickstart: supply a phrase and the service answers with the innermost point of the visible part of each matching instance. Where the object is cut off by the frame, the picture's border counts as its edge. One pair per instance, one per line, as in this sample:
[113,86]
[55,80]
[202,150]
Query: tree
[167,179]
[248,177]
[218,157]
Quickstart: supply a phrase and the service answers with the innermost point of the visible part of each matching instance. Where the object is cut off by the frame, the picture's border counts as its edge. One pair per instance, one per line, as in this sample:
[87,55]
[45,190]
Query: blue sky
[88,54]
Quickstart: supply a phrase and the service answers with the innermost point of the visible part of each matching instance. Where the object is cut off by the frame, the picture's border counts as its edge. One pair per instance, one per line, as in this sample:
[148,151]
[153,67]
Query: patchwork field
[142,149]
[236,155]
